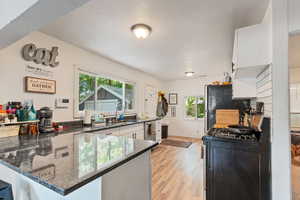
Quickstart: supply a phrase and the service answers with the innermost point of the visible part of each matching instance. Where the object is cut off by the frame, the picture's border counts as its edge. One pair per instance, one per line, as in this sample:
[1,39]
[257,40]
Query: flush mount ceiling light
[141,31]
[189,74]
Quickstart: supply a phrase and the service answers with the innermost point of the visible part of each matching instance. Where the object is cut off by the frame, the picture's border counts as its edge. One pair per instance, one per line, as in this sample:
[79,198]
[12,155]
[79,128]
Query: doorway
[150,98]
[294,86]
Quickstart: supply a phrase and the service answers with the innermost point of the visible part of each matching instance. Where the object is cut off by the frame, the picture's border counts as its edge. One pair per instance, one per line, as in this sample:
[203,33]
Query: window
[103,95]
[129,96]
[194,107]
[109,95]
[86,92]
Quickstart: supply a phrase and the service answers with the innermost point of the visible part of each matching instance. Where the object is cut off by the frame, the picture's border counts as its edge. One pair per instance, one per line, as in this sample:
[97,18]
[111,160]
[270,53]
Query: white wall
[179,126]
[294,75]
[12,73]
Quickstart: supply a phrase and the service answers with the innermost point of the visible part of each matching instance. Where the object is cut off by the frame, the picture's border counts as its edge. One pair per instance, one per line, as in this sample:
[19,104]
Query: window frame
[184,107]
[79,114]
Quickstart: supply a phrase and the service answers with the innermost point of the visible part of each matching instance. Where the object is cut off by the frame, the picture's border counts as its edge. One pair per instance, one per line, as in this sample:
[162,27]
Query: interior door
[150,101]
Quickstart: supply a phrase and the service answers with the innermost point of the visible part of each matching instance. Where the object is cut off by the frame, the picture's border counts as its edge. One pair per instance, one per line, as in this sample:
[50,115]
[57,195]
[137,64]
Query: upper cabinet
[294,16]
[252,52]
[243,88]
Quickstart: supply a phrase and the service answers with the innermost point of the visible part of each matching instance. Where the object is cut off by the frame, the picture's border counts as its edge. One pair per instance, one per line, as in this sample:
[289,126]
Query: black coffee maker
[45,117]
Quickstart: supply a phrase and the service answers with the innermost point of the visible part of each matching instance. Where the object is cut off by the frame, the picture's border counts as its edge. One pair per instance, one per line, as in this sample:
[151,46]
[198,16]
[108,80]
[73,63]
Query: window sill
[194,119]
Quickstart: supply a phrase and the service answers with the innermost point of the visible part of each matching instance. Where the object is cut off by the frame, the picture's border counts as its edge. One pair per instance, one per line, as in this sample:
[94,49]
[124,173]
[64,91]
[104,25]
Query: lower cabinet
[158,136]
[133,131]
[235,173]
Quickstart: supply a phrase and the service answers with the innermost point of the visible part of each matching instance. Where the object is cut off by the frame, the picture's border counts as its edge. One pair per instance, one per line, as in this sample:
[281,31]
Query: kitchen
[127,74]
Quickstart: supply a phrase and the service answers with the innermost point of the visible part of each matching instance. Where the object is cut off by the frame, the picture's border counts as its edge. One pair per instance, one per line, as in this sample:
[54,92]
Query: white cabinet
[114,132]
[294,16]
[140,133]
[252,50]
[133,131]
[157,129]
[243,88]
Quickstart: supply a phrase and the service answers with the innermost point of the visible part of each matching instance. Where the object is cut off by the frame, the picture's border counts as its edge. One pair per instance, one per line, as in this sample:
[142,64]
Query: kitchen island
[77,165]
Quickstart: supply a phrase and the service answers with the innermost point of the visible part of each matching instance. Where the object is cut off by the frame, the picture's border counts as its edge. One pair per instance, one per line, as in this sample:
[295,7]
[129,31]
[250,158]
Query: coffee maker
[45,117]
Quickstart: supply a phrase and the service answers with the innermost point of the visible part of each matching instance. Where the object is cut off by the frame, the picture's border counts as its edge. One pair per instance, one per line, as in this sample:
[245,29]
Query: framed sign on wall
[173,99]
[39,85]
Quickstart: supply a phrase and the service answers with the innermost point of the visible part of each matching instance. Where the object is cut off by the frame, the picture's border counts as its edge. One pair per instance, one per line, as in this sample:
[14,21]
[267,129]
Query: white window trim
[184,111]
[79,114]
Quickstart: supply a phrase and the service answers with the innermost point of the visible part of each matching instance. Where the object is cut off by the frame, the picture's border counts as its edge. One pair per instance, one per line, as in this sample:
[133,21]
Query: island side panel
[131,181]
[27,189]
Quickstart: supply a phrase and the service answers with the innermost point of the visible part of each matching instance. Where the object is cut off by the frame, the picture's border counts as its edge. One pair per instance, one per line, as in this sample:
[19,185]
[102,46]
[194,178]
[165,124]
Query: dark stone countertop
[118,125]
[64,162]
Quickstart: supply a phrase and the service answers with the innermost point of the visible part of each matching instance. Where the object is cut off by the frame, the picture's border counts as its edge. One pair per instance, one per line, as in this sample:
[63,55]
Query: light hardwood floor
[296,178]
[177,173]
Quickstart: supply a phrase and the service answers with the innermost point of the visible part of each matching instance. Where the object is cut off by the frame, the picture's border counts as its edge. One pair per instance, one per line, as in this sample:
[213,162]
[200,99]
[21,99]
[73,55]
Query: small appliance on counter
[260,107]
[45,117]
[87,117]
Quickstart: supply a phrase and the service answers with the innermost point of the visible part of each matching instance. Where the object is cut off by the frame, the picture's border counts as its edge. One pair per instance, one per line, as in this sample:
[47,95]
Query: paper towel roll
[87,117]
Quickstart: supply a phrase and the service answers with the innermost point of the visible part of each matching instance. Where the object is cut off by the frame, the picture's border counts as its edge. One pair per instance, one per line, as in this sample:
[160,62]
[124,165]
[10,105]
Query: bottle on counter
[3,115]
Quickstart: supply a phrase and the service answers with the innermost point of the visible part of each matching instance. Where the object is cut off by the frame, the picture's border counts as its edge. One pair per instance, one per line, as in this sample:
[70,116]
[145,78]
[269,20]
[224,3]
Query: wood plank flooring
[296,178]
[177,173]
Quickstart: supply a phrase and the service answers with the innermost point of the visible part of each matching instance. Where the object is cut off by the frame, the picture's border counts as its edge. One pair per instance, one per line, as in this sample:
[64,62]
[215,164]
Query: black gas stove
[230,134]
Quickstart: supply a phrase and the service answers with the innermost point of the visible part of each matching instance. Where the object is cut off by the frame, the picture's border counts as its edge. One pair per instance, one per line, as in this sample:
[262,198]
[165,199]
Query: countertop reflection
[68,161]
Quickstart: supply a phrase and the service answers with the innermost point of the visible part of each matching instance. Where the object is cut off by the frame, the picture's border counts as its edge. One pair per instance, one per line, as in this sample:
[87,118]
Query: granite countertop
[66,161]
[117,125]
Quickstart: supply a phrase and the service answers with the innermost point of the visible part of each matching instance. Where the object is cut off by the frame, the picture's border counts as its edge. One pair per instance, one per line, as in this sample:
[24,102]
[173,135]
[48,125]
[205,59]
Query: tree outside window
[104,95]
[194,107]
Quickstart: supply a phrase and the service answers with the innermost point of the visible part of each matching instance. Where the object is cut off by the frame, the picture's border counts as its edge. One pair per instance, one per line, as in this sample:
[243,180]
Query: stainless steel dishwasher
[150,131]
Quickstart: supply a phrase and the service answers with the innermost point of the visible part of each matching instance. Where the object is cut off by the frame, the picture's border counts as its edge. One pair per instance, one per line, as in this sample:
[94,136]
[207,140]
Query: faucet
[116,113]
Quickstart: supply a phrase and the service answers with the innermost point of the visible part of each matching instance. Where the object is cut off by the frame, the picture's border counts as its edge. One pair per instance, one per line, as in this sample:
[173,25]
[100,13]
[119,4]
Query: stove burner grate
[226,133]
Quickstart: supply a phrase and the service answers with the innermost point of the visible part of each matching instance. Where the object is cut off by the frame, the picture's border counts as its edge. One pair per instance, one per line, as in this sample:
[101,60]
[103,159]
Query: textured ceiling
[187,35]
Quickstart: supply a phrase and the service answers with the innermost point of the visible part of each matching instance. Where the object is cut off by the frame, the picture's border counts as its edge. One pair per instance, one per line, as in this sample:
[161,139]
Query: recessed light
[141,31]
[189,74]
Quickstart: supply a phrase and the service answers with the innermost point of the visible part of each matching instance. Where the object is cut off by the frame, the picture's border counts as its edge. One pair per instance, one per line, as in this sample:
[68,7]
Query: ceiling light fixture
[189,74]
[141,31]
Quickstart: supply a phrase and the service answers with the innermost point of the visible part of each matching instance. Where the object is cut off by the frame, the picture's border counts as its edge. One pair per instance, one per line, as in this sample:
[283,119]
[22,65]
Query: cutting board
[226,117]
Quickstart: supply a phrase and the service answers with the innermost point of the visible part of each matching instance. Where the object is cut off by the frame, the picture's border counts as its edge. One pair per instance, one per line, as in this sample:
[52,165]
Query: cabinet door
[107,132]
[115,131]
[139,132]
[253,46]
[244,88]
[158,131]
[233,174]
[140,135]
[294,16]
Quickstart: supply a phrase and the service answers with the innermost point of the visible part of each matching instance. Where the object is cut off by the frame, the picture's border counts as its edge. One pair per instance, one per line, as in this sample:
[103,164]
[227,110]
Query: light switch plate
[62,103]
